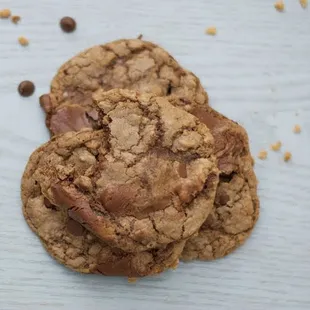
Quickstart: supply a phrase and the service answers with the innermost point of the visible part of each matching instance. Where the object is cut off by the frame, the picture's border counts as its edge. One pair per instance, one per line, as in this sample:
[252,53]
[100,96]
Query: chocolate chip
[140,36]
[67,24]
[205,117]
[182,170]
[45,103]
[74,227]
[26,88]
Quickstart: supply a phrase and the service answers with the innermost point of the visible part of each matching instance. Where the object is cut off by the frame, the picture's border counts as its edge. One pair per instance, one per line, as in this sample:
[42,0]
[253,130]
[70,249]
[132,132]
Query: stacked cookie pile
[140,172]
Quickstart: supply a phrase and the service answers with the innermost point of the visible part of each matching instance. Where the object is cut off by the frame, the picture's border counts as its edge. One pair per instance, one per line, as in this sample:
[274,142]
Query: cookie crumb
[276,146]
[132,280]
[5,13]
[262,155]
[279,6]
[23,41]
[303,3]
[211,31]
[140,36]
[297,129]
[15,19]
[287,156]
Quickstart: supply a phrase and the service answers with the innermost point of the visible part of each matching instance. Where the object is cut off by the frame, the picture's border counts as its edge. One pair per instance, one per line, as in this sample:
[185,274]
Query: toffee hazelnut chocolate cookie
[149,180]
[129,64]
[236,207]
[71,244]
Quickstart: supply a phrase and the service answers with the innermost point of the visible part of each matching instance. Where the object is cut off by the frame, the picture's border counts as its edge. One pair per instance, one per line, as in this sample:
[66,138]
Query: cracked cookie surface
[148,178]
[131,64]
[236,206]
[75,247]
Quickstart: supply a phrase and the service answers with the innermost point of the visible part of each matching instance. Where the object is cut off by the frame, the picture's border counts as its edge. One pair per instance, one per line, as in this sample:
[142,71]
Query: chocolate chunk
[93,114]
[120,267]
[69,118]
[49,205]
[205,117]
[182,170]
[26,88]
[68,24]
[74,227]
[45,103]
[117,198]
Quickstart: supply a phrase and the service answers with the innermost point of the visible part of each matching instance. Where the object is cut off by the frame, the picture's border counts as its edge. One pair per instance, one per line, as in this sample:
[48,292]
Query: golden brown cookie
[129,64]
[236,207]
[147,180]
[75,247]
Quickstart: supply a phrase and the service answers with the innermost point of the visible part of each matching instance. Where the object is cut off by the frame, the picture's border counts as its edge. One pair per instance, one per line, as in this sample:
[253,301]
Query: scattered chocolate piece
[45,103]
[276,146]
[26,88]
[67,24]
[297,129]
[279,6]
[211,31]
[23,41]
[15,19]
[5,13]
[262,155]
[287,156]
[140,36]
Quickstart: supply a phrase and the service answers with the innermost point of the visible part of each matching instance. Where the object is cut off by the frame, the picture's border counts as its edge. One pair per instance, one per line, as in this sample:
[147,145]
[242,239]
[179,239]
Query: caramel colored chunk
[23,41]
[5,13]
[262,155]
[15,19]
[279,6]
[276,146]
[287,156]
[211,31]
[303,3]
[297,129]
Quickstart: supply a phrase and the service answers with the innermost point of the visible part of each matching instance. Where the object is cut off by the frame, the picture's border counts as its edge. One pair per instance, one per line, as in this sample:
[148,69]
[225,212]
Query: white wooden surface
[257,71]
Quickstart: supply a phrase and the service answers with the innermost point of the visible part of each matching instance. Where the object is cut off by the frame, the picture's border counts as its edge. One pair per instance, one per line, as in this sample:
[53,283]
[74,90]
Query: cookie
[236,207]
[129,64]
[148,178]
[75,247]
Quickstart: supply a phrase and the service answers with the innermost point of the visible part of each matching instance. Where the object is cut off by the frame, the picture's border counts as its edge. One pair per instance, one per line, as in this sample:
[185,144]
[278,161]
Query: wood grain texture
[256,70]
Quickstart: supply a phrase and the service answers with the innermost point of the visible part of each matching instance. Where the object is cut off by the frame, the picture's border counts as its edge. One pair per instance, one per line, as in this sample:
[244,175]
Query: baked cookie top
[146,179]
[72,245]
[129,64]
[236,206]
